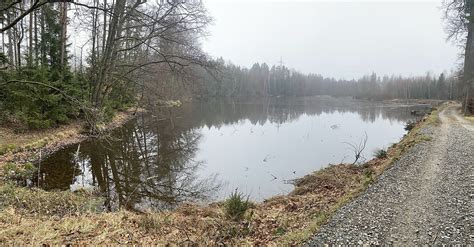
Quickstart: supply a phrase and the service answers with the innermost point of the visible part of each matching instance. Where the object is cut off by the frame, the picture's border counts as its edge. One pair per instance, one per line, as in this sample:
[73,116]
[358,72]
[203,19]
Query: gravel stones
[424,198]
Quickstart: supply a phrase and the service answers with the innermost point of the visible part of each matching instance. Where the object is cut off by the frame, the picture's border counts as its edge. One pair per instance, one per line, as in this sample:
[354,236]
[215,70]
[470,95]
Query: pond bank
[27,147]
[425,198]
[28,216]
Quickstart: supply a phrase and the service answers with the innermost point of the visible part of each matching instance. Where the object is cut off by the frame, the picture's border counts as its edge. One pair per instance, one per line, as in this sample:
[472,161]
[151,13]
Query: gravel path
[427,197]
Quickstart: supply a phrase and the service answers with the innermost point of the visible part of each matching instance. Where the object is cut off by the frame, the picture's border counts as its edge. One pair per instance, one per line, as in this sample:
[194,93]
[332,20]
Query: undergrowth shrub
[380,154]
[31,100]
[236,205]
[410,125]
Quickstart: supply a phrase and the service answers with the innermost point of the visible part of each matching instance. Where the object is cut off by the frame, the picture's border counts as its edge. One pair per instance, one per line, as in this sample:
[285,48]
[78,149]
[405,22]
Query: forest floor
[425,198]
[30,146]
[34,216]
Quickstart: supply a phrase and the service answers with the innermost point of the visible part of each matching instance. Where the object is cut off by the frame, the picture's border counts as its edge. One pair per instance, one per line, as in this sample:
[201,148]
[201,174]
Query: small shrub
[236,205]
[280,231]
[410,125]
[380,154]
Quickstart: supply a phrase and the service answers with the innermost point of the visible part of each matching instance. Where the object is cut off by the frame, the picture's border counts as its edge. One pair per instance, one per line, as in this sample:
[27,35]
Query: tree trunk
[104,31]
[469,62]
[110,52]
[36,38]
[10,42]
[21,35]
[63,20]
[93,78]
[30,39]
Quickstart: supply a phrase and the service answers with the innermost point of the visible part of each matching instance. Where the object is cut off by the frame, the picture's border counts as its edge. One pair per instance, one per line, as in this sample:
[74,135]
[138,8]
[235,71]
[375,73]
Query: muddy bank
[282,220]
[30,147]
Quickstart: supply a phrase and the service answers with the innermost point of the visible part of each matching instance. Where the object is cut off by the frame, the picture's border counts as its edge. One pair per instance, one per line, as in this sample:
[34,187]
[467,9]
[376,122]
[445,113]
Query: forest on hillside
[63,60]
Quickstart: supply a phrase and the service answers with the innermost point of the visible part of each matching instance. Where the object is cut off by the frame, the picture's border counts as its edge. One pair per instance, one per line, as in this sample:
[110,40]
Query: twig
[358,148]
[39,168]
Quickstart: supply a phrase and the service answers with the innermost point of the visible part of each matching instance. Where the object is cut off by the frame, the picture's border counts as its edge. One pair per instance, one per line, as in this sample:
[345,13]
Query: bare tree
[358,148]
[459,16]
[130,39]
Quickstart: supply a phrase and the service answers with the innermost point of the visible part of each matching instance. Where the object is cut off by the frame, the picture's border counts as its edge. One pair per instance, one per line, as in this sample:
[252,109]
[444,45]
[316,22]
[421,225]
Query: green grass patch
[236,205]
[5,148]
[14,171]
[380,154]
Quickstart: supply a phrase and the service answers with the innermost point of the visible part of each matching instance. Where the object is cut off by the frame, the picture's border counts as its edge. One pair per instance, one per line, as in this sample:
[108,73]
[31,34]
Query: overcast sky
[340,39]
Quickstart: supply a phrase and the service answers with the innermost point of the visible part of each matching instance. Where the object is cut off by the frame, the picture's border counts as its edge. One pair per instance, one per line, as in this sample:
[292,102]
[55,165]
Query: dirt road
[427,197]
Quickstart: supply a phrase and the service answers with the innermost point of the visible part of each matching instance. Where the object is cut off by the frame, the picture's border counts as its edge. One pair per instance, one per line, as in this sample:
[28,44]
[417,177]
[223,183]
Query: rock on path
[427,197]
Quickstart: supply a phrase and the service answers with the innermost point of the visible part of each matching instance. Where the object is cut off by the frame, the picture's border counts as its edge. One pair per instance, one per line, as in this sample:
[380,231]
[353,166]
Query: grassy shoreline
[36,216]
[27,148]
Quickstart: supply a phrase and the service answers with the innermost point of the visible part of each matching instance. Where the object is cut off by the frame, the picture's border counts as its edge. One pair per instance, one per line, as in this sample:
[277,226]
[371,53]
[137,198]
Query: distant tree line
[262,80]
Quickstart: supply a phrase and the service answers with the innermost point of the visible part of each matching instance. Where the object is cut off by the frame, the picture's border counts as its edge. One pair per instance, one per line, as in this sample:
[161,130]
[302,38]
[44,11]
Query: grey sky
[334,38]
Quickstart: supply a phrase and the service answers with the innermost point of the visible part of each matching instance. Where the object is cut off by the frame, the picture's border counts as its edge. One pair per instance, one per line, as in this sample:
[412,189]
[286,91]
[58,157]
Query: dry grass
[8,136]
[35,216]
[39,202]
[38,217]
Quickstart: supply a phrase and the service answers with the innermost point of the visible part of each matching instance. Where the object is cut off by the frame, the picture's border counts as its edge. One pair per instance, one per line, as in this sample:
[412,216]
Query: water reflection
[173,155]
[216,113]
[139,166]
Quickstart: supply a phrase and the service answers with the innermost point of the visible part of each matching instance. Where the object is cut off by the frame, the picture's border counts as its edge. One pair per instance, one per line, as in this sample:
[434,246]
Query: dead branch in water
[357,149]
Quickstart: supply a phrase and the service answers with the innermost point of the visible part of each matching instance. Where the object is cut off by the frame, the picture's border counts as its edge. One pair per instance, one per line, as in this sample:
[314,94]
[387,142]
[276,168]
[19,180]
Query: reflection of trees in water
[139,166]
[57,175]
[151,167]
[278,111]
[150,161]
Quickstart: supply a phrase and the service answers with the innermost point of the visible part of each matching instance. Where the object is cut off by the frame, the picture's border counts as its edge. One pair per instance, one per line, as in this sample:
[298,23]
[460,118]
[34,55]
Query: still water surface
[203,151]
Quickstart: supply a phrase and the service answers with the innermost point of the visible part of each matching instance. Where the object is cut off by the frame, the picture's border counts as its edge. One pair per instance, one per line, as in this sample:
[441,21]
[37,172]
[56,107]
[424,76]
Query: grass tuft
[380,154]
[236,205]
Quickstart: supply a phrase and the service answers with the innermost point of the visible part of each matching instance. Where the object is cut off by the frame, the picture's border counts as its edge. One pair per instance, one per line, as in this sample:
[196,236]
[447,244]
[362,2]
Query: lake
[202,151]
